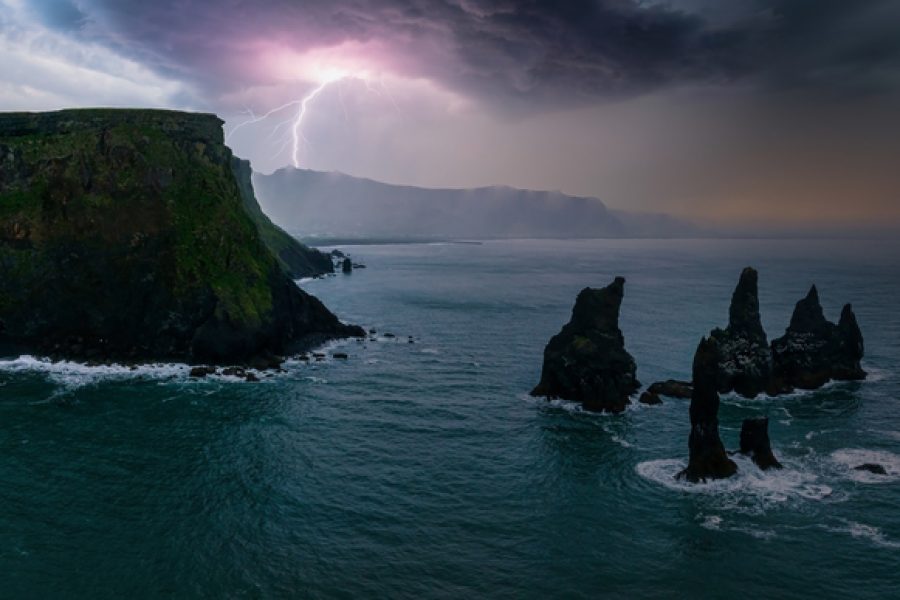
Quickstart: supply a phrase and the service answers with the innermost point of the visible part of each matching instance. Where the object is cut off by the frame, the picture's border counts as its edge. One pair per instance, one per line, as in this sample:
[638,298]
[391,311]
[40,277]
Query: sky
[765,112]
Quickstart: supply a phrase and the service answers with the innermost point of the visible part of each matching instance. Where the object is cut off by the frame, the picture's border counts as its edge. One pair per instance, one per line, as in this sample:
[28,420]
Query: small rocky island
[587,362]
[811,353]
[133,235]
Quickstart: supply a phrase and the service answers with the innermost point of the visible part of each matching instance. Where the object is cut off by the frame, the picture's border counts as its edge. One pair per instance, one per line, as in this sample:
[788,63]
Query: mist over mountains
[334,205]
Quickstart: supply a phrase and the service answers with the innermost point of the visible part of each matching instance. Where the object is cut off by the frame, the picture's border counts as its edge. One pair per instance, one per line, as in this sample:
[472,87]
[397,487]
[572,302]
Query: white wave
[430,351]
[717,523]
[750,490]
[711,522]
[867,532]
[75,374]
[848,458]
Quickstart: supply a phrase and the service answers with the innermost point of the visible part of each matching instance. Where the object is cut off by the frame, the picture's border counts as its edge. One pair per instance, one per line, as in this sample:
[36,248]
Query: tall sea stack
[587,362]
[745,360]
[708,459]
[124,236]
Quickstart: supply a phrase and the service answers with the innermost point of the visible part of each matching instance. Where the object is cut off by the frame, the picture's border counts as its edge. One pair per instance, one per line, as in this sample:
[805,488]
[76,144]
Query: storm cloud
[766,110]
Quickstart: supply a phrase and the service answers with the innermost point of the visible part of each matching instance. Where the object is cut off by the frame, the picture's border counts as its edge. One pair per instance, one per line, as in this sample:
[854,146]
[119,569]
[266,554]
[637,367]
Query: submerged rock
[814,351]
[587,362]
[745,360]
[672,387]
[755,443]
[871,468]
[125,235]
[708,459]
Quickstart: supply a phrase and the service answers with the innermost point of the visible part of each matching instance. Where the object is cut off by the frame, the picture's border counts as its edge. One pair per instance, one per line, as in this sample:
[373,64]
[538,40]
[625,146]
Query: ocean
[424,469]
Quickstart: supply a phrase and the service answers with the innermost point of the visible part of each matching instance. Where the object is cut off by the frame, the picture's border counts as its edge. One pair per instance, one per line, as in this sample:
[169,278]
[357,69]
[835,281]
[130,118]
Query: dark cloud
[528,52]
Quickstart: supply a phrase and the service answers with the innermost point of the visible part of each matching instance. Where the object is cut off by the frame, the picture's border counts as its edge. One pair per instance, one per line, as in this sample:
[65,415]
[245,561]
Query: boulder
[650,398]
[814,351]
[745,360]
[673,388]
[708,459]
[755,443]
[586,361]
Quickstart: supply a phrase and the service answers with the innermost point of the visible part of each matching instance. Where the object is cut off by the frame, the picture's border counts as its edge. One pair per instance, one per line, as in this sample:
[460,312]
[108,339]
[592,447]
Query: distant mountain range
[314,204]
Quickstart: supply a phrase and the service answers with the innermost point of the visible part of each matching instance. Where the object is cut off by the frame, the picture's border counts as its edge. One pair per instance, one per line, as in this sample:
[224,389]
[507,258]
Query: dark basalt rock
[708,459]
[814,351]
[347,266]
[745,360]
[871,468]
[650,398]
[125,235]
[673,388]
[755,443]
[587,362]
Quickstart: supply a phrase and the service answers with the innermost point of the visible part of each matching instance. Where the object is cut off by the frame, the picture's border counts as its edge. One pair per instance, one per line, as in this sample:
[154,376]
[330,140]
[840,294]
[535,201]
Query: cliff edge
[124,236]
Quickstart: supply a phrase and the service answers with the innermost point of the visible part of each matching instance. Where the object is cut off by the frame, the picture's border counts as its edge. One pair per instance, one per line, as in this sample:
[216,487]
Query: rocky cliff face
[813,351]
[744,362]
[587,362]
[123,235]
[298,260]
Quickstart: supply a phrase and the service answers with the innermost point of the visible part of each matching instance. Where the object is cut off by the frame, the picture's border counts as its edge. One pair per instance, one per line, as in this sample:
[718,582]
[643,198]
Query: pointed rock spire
[743,314]
[745,364]
[813,351]
[708,459]
[587,362]
[808,316]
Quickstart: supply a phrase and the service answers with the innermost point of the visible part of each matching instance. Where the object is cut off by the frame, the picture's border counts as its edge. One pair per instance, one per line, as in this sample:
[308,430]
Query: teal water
[424,471]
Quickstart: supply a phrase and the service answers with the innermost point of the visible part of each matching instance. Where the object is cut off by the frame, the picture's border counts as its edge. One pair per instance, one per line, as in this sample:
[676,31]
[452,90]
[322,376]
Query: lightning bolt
[296,130]
[302,105]
[297,121]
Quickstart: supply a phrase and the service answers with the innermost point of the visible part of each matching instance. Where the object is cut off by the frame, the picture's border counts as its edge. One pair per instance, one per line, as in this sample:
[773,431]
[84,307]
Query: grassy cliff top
[197,125]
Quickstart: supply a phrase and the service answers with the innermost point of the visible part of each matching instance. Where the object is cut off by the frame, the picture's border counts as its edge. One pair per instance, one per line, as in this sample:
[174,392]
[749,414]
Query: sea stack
[587,362]
[745,360]
[708,459]
[347,265]
[125,235]
[814,351]
[755,443]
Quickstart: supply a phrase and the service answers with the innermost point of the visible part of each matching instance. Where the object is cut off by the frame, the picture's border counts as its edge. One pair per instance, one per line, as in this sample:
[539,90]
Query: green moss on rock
[126,234]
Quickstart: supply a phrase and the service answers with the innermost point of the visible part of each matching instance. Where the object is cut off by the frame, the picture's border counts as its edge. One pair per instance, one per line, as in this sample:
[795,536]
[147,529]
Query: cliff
[295,258]
[124,235]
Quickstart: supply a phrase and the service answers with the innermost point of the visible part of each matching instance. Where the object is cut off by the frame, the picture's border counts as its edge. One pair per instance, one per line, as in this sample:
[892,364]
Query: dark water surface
[424,471]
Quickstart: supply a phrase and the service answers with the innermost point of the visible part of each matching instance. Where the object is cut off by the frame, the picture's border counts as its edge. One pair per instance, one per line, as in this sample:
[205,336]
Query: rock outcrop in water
[814,351]
[745,360]
[587,362]
[708,459]
[755,443]
[673,388]
[124,236]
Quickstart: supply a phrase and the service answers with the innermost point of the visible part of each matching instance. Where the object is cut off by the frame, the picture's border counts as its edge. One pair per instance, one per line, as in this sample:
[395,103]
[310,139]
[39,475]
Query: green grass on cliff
[135,180]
